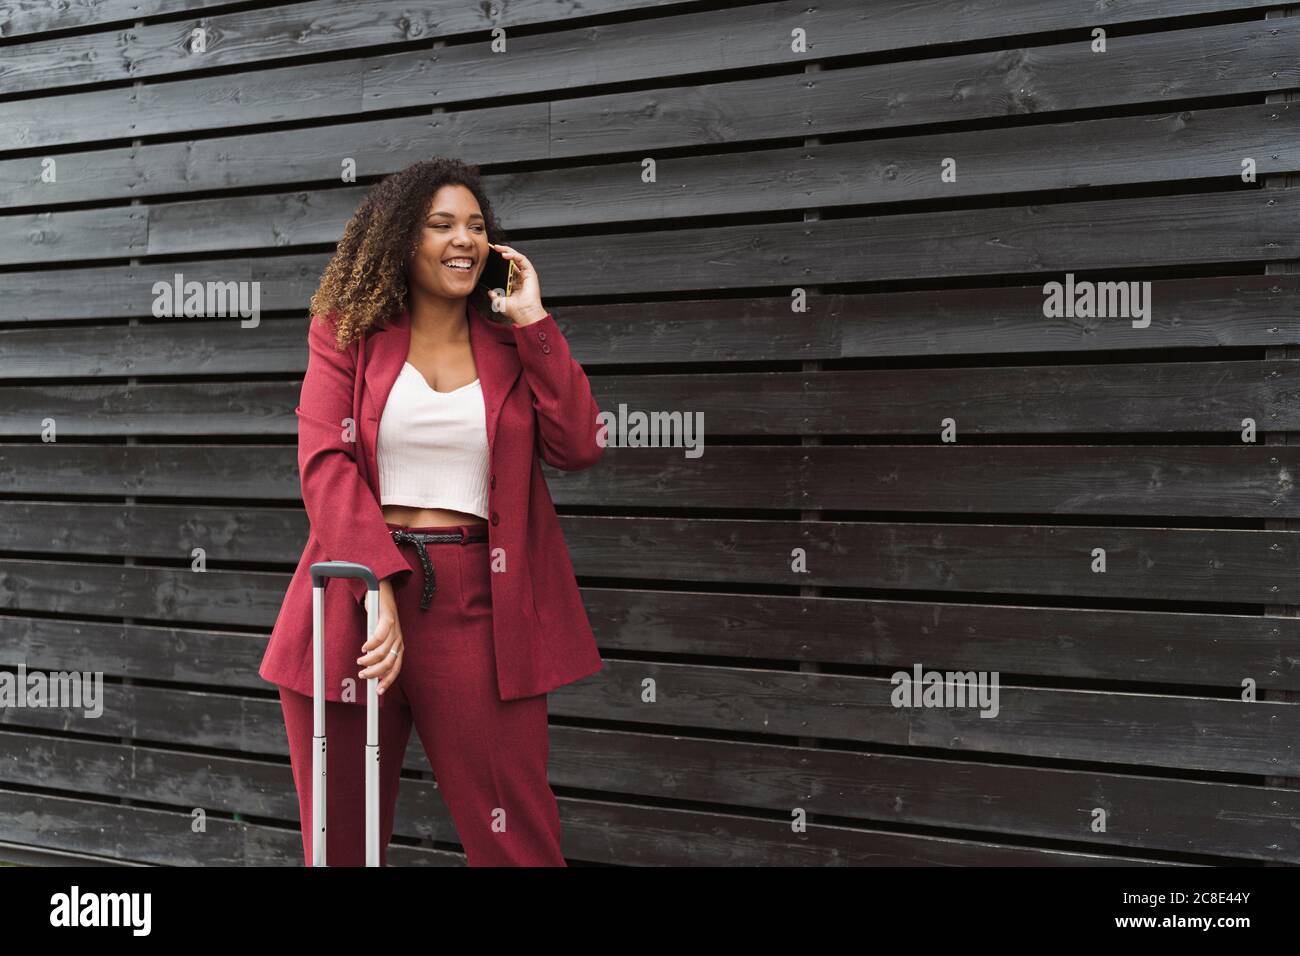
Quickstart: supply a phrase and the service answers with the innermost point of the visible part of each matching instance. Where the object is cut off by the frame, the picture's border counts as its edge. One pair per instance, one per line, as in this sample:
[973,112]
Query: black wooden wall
[725,222]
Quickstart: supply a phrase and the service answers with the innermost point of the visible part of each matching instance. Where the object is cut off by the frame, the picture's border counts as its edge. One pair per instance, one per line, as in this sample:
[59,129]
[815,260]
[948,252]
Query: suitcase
[321,572]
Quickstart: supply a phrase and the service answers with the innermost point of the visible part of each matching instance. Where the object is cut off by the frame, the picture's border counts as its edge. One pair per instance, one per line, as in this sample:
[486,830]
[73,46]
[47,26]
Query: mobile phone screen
[495,272]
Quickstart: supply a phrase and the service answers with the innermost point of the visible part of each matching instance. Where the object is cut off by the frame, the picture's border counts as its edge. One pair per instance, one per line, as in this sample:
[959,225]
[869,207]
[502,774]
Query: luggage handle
[321,572]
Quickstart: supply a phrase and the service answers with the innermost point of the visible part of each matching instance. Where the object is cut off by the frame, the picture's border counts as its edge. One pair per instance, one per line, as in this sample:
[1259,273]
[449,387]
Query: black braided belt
[420,539]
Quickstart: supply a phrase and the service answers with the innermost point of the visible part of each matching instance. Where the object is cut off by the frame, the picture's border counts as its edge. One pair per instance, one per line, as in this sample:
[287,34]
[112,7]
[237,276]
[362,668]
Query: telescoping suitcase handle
[321,572]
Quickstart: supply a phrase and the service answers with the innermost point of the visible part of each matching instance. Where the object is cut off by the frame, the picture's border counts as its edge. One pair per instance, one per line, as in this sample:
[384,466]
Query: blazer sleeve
[340,505]
[567,426]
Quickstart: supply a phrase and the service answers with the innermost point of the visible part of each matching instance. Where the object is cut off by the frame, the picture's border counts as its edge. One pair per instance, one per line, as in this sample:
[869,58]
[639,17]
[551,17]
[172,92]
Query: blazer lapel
[386,352]
[495,357]
[497,360]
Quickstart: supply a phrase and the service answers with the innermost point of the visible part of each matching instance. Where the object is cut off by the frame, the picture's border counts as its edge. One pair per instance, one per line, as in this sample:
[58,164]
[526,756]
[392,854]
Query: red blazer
[539,408]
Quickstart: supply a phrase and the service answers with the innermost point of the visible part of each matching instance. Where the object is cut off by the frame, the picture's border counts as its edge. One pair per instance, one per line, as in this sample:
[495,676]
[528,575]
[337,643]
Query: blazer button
[542,336]
[494,517]
[546,348]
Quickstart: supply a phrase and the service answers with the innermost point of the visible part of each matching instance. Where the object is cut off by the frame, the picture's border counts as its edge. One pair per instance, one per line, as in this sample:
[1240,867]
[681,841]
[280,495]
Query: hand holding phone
[521,300]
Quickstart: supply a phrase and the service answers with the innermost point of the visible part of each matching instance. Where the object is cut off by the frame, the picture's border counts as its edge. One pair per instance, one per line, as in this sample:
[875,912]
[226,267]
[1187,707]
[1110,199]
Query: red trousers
[489,756]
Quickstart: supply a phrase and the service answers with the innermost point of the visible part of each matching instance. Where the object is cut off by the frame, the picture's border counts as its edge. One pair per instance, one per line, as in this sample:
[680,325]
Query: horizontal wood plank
[33,19]
[1190,398]
[628,835]
[1254,57]
[1144,481]
[1152,564]
[1205,818]
[1135,730]
[1112,151]
[1231,227]
[1212,312]
[1142,647]
[299,29]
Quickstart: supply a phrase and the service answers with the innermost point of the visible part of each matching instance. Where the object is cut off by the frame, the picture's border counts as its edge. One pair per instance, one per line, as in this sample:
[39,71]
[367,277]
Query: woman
[428,404]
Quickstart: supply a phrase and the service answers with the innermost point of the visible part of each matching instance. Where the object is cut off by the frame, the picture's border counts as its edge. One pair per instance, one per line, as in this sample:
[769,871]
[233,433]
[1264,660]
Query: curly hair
[365,280]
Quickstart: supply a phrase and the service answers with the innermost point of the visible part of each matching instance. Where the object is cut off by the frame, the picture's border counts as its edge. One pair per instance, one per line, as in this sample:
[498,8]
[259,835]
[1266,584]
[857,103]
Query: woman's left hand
[524,304]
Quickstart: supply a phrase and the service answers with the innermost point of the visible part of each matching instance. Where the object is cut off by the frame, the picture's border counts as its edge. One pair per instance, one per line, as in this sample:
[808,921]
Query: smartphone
[510,277]
[498,273]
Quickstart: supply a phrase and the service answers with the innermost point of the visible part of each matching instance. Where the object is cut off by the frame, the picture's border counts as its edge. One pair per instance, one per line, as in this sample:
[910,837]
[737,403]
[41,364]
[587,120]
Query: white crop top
[432,446]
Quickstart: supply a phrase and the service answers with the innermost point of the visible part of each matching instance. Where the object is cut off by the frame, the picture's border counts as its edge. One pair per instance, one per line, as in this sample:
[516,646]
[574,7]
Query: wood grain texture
[1160,68]
[798,274]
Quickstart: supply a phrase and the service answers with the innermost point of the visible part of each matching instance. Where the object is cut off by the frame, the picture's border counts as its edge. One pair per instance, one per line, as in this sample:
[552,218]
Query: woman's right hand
[376,657]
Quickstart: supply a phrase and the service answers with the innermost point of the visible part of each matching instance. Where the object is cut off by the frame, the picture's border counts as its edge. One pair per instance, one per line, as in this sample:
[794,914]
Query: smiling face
[453,248]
